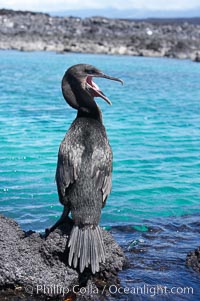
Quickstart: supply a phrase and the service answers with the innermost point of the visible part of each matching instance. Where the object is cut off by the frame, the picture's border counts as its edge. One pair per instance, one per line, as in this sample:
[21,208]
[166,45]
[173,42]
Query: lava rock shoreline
[29,31]
[35,268]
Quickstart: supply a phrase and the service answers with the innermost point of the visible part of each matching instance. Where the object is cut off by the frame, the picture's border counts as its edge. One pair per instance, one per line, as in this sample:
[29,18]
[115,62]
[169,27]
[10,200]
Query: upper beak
[111,78]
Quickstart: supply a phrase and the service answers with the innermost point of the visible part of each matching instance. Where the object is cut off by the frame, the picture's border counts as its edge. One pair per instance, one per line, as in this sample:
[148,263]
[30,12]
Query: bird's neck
[94,113]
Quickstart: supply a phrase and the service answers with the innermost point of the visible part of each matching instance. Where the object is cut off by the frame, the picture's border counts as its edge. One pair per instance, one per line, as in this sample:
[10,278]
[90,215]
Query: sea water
[153,127]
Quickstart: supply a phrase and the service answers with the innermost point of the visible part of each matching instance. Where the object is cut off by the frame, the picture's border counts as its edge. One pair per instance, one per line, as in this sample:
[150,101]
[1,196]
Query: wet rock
[27,31]
[193,260]
[31,265]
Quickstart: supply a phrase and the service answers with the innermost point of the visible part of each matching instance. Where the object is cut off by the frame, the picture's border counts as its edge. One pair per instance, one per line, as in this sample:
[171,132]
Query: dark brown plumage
[84,168]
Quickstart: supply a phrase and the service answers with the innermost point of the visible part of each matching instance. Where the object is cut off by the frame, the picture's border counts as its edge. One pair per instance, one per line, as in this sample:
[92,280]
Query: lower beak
[99,92]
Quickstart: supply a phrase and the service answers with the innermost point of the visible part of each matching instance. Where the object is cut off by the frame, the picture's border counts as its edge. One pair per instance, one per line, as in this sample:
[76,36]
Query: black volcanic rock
[152,37]
[31,265]
[193,260]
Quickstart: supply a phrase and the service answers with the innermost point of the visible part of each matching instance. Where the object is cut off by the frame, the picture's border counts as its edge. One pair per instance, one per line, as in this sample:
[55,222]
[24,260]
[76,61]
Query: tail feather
[96,252]
[77,251]
[72,243]
[83,252]
[88,250]
[93,255]
[86,246]
[101,246]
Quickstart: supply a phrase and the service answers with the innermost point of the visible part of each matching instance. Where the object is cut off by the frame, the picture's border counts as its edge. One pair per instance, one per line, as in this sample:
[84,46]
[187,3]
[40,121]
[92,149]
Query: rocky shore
[35,268]
[28,31]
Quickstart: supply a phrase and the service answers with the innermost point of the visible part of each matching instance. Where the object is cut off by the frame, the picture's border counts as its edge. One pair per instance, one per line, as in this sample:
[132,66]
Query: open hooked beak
[95,90]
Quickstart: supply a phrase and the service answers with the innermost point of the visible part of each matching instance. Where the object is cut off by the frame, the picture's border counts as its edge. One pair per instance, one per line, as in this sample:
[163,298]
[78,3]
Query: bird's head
[79,88]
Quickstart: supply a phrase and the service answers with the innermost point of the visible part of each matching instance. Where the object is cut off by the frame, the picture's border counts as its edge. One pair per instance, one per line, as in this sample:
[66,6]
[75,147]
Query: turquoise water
[153,127]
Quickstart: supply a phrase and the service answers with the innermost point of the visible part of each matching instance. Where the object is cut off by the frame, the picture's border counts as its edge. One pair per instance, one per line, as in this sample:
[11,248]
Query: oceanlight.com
[148,290]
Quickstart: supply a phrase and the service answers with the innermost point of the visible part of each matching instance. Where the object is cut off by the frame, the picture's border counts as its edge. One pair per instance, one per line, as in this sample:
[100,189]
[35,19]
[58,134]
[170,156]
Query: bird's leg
[61,220]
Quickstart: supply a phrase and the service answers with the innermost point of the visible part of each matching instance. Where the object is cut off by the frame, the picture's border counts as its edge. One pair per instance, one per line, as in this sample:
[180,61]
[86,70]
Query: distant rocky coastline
[29,31]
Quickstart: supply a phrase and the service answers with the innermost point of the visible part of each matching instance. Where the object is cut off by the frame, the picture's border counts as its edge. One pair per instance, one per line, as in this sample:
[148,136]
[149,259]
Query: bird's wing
[68,166]
[102,170]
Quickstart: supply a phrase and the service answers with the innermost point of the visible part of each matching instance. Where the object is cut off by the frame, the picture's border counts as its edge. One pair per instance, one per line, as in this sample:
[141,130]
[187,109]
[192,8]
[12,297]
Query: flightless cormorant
[84,167]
